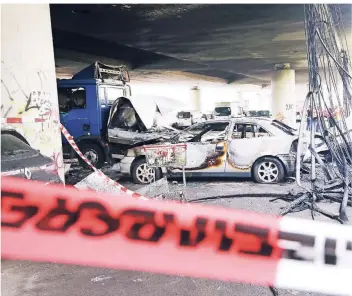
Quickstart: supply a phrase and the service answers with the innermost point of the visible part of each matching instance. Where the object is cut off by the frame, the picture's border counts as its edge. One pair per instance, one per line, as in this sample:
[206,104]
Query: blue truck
[84,102]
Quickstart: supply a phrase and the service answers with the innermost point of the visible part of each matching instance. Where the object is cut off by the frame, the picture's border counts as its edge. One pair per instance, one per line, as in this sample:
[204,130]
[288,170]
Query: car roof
[220,120]
[239,119]
[252,119]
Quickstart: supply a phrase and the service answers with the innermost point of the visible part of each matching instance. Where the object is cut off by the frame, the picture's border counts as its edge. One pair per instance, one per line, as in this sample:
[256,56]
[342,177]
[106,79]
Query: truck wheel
[268,170]
[141,174]
[93,153]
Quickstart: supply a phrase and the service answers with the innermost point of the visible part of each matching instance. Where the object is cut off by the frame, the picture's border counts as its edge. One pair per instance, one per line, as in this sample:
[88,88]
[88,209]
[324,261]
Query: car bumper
[289,162]
[126,165]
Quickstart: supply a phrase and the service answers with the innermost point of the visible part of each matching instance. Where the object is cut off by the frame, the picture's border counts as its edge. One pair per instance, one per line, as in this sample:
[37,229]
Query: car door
[246,143]
[205,152]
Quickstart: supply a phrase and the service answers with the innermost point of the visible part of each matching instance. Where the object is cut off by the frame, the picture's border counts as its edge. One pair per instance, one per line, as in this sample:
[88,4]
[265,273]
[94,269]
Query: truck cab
[84,102]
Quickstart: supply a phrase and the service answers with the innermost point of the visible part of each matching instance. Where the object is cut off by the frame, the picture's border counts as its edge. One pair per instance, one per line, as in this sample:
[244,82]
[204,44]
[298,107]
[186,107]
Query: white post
[283,94]
[195,99]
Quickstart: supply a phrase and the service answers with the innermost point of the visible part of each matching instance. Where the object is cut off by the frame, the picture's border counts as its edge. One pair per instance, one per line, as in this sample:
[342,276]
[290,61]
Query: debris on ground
[98,183]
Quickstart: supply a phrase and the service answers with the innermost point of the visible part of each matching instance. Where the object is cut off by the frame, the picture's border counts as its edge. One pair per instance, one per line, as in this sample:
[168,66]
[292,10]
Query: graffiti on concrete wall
[32,96]
[289,107]
[25,97]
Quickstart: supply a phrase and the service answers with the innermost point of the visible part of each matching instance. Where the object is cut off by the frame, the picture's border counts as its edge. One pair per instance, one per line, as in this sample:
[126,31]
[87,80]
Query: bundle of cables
[330,90]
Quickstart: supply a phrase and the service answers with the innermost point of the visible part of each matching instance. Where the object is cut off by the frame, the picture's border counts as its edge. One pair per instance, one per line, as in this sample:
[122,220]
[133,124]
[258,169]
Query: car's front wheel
[268,170]
[142,174]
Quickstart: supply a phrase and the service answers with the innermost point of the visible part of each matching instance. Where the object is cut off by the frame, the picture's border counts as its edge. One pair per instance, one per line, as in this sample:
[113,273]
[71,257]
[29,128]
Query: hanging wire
[328,67]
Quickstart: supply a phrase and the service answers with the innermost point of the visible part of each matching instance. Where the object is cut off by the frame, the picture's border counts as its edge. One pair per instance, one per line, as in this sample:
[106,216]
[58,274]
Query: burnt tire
[94,153]
[268,170]
[141,174]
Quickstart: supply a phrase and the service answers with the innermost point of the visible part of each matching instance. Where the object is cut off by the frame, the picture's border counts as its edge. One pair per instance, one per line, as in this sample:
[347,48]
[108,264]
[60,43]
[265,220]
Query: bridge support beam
[195,99]
[283,94]
[29,102]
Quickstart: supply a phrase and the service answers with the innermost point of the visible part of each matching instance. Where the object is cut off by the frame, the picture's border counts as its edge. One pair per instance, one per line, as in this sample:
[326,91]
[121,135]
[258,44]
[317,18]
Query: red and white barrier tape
[64,225]
[25,119]
[108,180]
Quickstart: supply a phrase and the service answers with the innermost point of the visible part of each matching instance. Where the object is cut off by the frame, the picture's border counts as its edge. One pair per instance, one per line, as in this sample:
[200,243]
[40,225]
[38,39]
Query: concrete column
[283,94]
[28,80]
[195,99]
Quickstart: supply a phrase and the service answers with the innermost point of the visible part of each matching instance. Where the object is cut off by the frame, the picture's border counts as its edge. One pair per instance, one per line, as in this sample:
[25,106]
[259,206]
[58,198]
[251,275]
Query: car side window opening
[255,131]
[71,98]
[261,132]
[238,131]
[249,131]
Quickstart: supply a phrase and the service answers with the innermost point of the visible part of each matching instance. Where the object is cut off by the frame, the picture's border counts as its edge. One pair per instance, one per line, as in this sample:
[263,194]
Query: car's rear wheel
[142,174]
[268,170]
[93,153]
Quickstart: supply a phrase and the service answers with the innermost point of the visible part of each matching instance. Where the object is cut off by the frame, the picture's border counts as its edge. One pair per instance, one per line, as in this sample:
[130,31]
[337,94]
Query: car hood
[146,107]
[152,122]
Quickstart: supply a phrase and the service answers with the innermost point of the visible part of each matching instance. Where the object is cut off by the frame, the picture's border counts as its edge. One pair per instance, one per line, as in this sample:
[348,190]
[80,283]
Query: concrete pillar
[28,80]
[283,94]
[195,99]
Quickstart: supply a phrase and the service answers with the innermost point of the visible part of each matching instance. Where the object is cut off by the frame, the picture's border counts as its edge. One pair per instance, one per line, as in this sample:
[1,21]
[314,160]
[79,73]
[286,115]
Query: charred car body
[239,147]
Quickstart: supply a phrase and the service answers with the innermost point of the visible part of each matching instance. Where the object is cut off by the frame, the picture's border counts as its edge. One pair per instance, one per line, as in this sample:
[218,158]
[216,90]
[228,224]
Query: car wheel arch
[268,155]
[137,158]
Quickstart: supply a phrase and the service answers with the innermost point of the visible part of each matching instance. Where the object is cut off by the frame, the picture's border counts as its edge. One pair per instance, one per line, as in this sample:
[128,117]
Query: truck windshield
[184,115]
[108,94]
[223,111]
[263,113]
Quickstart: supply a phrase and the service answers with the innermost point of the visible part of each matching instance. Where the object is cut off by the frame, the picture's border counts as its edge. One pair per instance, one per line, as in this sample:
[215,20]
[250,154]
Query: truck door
[74,112]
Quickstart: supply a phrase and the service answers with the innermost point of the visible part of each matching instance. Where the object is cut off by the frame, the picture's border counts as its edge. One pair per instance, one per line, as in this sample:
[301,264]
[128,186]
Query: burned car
[240,147]
[19,159]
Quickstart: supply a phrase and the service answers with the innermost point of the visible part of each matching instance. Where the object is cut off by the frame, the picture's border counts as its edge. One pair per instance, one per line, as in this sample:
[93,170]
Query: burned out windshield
[223,111]
[204,127]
